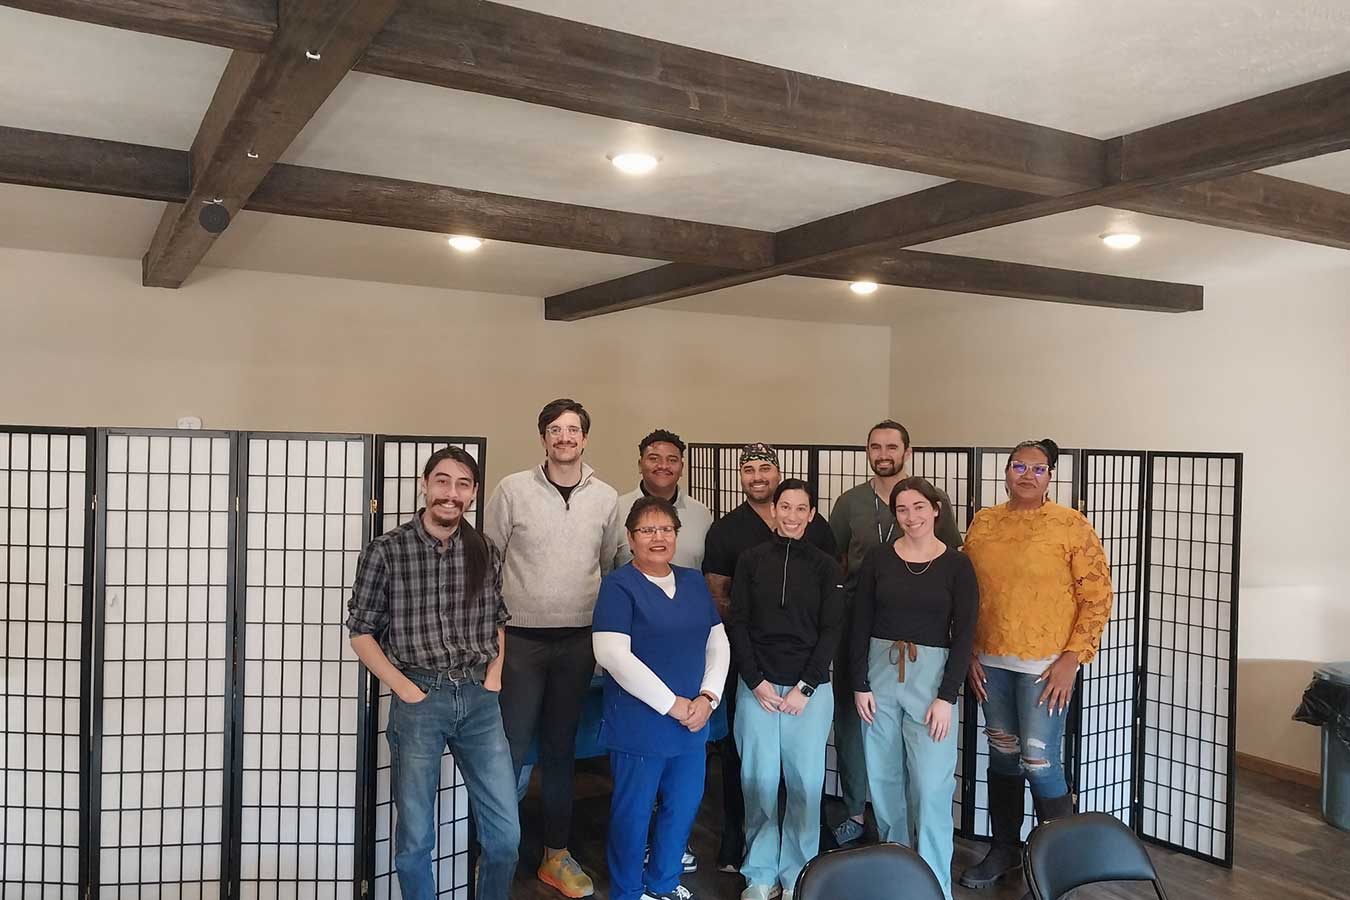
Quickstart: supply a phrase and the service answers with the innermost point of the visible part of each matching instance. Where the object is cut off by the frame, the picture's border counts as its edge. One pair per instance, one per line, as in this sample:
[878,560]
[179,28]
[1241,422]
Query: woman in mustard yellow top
[1045,596]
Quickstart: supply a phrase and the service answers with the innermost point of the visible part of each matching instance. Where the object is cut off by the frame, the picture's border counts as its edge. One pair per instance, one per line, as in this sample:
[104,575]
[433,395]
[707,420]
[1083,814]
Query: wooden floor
[1284,850]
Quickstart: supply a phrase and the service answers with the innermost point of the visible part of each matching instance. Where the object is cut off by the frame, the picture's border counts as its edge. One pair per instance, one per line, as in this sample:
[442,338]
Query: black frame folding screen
[182,708]
[1151,737]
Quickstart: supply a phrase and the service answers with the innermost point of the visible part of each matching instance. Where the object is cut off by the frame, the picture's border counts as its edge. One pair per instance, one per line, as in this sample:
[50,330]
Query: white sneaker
[760,892]
[680,893]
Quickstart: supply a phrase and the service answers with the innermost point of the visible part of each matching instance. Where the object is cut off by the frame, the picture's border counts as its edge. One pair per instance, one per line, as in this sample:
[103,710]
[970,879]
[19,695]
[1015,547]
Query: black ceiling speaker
[214,217]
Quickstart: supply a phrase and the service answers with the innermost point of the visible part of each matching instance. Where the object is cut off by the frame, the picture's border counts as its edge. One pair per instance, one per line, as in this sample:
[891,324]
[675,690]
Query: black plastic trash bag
[1326,702]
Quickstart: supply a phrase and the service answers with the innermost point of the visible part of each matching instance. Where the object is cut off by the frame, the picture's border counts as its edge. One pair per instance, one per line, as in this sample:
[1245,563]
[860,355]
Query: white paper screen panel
[400,500]
[306,504]
[1189,640]
[43,510]
[164,649]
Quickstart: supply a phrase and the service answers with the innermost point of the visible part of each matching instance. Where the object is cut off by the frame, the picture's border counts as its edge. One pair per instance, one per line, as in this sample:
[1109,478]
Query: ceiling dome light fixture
[1121,240]
[633,163]
[863,288]
[465,244]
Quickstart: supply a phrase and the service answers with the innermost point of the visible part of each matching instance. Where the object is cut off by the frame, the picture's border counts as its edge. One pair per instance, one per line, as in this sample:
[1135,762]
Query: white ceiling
[1055,62]
[1089,66]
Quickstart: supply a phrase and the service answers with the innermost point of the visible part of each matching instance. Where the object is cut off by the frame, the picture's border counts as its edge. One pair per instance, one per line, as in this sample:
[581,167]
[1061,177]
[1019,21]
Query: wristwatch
[712,701]
[805,688]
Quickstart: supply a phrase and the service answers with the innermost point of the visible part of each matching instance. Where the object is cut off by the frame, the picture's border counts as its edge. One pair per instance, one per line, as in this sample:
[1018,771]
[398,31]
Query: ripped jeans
[1024,739]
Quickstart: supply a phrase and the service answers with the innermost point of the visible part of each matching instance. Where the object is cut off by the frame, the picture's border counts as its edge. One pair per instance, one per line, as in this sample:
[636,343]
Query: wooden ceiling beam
[129,170]
[504,51]
[260,106]
[233,24]
[85,164]
[960,208]
[994,278]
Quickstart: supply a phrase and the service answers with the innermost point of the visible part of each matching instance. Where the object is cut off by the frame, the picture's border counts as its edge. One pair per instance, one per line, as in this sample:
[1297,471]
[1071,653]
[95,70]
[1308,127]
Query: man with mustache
[557,525]
[748,525]
[427,617]
[862,519]
[661,465]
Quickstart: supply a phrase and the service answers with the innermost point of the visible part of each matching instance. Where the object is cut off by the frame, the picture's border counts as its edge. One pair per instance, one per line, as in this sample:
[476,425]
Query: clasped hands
[692,714]
[792,703]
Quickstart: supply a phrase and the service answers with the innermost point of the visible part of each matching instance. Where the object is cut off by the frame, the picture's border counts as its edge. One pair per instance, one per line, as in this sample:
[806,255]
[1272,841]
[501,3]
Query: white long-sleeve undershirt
[614,652]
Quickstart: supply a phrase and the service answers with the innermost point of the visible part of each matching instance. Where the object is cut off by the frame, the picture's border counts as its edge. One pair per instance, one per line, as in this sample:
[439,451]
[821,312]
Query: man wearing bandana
[746,526]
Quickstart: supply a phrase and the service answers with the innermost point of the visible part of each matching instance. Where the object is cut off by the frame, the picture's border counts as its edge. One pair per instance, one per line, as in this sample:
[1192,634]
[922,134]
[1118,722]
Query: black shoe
[731,853]
[1001,860]
[688,861]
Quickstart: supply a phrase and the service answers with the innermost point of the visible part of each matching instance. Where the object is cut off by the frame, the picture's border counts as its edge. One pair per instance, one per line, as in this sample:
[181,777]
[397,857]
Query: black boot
[1006,804]
[1050,808]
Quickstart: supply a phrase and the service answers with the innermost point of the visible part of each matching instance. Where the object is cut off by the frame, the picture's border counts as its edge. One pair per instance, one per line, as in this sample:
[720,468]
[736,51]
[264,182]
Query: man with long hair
[427,617]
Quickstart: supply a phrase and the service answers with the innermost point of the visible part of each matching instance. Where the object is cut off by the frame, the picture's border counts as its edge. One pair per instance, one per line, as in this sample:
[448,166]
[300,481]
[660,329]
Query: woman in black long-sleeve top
[787,610]
[913,630]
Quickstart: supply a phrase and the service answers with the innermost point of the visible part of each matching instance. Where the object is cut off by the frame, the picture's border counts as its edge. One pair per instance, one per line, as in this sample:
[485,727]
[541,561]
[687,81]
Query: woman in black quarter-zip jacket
[787,611]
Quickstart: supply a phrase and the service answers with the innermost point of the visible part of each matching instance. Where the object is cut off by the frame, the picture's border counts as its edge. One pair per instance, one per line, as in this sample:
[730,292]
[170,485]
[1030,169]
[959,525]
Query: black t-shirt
[742,528]
[936,608]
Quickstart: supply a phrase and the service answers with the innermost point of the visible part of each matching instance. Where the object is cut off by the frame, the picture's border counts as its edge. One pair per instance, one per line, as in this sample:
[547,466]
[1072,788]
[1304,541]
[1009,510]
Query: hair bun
[1052,450]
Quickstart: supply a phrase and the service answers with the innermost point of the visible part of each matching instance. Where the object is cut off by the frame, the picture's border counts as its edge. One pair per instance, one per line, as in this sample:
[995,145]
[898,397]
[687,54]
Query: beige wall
[83,343]
[1263,370]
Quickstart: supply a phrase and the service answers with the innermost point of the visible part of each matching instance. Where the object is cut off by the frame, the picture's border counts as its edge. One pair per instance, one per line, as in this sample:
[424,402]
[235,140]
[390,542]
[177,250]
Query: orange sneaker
[564,874]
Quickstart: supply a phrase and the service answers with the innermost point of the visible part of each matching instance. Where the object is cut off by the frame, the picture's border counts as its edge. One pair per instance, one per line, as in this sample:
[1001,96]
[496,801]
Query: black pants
[544,684]
[733,799]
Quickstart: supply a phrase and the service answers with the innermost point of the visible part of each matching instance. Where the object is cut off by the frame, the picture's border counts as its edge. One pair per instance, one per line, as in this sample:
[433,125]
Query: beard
[884,467]
[446,514]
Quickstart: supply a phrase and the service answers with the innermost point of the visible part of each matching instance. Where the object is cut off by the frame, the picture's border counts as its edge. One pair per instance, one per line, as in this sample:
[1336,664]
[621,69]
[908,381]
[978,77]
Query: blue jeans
[466,716]
[912,777]
[637,782]
[778,746]
[1023,738]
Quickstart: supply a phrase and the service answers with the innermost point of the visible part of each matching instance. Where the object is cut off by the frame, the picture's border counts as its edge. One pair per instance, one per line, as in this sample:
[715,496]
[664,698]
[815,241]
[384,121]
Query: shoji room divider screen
[183,714]
[1151,738]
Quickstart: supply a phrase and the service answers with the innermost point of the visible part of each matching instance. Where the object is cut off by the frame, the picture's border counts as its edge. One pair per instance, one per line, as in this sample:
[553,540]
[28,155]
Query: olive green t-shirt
[861,520]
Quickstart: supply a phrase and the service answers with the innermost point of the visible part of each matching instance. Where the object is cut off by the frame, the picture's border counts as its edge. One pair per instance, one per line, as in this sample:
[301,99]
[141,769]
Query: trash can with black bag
[1326,703]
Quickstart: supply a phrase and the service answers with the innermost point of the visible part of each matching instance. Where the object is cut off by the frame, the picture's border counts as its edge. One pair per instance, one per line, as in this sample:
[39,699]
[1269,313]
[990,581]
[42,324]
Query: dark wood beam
[960,208]
[235,24]
[67,162]
[943,272]
[1256,203]
[129,170]
[1307,120]
[373,200]
[152,173]
[505,51]
[261,104]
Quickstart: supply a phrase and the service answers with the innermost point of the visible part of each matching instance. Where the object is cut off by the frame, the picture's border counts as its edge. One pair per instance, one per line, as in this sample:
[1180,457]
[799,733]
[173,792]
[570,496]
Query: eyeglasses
[1040,470]
[560,430]
[648,531]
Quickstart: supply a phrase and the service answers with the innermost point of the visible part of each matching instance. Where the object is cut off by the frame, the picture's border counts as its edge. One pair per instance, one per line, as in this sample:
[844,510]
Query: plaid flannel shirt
[410,594]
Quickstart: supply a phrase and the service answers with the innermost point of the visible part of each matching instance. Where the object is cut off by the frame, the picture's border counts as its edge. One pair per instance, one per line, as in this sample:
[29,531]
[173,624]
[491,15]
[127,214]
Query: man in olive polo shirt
[862,519]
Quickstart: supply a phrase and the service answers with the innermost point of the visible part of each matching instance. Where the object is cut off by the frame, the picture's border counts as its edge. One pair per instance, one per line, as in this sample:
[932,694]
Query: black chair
[875,872]
[1086,849]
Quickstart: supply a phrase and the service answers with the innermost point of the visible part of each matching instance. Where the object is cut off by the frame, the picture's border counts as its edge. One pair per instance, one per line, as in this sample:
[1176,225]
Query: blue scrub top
[670,635]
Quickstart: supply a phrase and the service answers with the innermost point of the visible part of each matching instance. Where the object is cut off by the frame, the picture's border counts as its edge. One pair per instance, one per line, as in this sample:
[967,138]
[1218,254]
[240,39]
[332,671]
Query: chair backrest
[875,872]
[1067,853]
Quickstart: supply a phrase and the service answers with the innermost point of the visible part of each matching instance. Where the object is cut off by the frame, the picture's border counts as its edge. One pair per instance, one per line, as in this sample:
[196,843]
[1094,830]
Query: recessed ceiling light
[863,287]
[634,163]
[464,243]
[1121,240]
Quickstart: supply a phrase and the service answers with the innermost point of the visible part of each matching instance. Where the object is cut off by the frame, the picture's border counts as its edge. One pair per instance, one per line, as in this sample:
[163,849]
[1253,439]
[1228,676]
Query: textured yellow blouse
[1045,585]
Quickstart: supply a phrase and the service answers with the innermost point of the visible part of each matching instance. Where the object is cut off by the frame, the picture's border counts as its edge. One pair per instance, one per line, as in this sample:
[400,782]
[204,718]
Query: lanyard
[890,529]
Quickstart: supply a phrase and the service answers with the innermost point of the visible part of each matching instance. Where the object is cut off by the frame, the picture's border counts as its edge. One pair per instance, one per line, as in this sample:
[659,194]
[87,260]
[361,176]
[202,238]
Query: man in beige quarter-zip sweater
[557,526]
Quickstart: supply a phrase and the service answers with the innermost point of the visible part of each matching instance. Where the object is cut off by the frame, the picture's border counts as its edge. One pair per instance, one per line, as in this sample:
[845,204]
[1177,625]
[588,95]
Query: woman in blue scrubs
[660,639]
